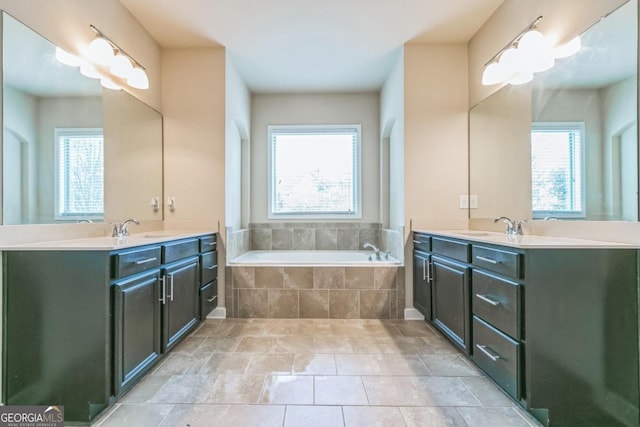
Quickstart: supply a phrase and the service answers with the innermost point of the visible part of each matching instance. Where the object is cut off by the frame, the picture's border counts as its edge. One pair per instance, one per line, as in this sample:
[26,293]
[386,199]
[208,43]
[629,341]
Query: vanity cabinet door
[136,314]
[181,309]
[422,283]
[451,301]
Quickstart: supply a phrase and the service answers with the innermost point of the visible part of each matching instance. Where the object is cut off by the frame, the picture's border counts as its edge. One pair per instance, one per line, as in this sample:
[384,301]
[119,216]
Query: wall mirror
[72,150]
[566,144]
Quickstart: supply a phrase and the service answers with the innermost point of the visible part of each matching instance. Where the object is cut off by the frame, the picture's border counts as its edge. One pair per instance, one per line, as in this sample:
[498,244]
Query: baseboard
[218,313]
[412,314]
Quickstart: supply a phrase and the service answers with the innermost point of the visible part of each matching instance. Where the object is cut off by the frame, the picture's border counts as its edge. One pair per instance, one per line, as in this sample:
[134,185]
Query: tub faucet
[121,229]
[376,250]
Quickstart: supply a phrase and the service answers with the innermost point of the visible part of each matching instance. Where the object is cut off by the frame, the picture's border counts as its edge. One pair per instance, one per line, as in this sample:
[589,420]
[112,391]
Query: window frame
[58,132]
[581,129]
[317,129]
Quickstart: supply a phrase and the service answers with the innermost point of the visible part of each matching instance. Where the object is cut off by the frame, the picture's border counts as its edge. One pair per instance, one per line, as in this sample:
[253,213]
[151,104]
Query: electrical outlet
[473,201]
[464,201]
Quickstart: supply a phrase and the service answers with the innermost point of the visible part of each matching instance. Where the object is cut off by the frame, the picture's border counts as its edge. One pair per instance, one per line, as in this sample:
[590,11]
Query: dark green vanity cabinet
[208,275]
[82,327]
[556,328]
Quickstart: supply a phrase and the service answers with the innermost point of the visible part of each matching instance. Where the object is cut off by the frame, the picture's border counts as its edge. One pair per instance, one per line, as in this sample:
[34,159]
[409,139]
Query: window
[314,171]
[557,166]
[79,174]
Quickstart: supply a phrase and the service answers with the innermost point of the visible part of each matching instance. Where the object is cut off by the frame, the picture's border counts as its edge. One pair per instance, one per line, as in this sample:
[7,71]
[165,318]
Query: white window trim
[56,195]
[357,214]
[580,126]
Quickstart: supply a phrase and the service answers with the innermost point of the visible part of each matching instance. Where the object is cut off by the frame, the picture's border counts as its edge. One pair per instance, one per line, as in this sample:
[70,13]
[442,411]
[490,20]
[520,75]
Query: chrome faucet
[514,228]
[121,229]
[376,250]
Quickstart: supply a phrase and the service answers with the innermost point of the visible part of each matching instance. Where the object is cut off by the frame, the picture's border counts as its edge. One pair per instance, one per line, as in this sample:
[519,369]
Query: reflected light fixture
[528,53]
[108,62]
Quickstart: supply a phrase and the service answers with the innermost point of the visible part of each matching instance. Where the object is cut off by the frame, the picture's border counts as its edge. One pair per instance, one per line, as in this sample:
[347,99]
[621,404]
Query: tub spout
[375,250]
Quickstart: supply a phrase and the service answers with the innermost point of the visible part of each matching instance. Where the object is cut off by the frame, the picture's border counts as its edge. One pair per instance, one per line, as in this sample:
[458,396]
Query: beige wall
[562,19]
[320,109]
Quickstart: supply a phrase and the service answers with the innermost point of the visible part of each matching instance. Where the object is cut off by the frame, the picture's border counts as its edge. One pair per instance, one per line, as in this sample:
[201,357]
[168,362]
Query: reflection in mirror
[584,133]
[42,98]
[565,145]
[70,151]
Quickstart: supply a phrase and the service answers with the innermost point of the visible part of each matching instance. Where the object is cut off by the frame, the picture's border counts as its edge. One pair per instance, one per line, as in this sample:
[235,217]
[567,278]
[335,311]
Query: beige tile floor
[274,372]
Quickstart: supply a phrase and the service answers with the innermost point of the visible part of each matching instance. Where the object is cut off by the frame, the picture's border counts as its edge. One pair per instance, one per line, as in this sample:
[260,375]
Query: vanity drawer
[497,301]
[208,267]
[174,251]
[496,260]
[421,242]
[208,299]
[497,355]
[208,243]
[450,248]
[135,261]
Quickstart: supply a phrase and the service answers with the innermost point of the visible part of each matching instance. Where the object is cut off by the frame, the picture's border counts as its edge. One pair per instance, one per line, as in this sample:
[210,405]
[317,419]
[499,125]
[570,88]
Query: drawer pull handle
[417,242]
[489,260]
[484,349]
[145,261]
[212,267]
[212,299]
[211,244]
[488,300]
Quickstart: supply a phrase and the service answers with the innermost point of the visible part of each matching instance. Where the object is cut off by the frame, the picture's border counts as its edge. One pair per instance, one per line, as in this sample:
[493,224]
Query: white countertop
[107,243]
[528,241]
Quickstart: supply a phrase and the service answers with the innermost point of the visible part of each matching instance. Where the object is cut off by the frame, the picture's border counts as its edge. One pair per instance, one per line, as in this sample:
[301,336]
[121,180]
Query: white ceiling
[311,45]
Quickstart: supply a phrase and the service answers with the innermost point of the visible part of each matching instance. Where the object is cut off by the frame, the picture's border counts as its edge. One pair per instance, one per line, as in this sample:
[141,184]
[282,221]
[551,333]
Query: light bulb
[89,70]
[100,51]
[121,66]
[66,58]
[570,48]
[493,74]
[138,79]
[109,84]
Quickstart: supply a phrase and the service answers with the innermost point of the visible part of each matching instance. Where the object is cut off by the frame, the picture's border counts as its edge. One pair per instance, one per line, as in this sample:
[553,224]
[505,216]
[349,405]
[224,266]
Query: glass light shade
[121,66]
[543,62]
[89,70]
[109,84]
[522,77]
[138,79]
[66,58]
[493,74]
[570,48]
[510,63]
[533,43]
[100,51]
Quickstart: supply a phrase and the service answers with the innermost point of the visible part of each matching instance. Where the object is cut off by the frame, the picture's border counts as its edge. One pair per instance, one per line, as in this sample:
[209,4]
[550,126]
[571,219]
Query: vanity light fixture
[108,62]
[528,53]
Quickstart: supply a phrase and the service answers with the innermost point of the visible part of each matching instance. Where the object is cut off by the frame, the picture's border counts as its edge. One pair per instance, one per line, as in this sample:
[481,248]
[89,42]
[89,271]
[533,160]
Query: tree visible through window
[80,173]
[314,171]
[557,169]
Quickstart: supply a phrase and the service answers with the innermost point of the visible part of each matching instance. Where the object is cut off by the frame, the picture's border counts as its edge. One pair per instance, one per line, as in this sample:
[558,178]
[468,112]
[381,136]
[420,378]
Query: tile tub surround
[329,373]
[315,292]
[313,236]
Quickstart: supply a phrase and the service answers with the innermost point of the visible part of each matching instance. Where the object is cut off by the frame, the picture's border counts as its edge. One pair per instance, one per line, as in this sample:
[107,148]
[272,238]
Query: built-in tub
[313,258]
[315,284]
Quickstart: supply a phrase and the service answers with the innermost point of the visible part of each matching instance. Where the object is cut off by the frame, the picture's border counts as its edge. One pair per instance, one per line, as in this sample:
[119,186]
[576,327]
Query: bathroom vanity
[552,321]
[86,319]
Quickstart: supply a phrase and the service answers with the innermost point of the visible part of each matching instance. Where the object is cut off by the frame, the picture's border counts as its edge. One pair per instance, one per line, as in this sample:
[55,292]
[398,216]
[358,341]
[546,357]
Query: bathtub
[312,258]
[314,284]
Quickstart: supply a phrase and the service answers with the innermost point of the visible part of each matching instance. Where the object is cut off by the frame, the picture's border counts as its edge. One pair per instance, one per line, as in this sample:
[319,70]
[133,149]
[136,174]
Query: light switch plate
[464,201]
[473,201]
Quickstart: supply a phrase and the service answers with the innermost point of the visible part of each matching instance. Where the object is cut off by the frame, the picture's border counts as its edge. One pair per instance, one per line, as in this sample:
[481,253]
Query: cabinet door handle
[424,269]
[164,290]
[485,350]
[488,300]
[429,272]
[489,260]
[212,267]
[171,275]
[145,261]
[212,299]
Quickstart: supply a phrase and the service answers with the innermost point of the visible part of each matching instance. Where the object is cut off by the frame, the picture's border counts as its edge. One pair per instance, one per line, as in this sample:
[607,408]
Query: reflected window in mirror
[79,174]
[557,170]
